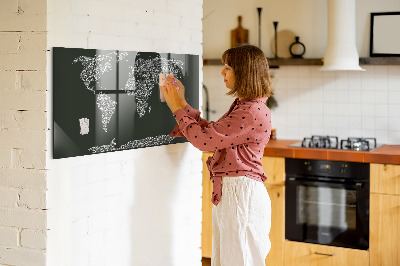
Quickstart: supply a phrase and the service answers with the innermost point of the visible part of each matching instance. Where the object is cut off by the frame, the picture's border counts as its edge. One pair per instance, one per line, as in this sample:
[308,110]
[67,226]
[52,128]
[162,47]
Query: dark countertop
[389,154]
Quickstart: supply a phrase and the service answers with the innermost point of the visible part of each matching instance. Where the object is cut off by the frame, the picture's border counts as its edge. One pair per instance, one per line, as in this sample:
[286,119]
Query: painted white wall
[343,103]
[134,207]
[305,18]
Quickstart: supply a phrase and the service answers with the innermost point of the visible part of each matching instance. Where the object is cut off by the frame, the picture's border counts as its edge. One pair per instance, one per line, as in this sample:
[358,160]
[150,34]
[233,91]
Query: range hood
[341,51]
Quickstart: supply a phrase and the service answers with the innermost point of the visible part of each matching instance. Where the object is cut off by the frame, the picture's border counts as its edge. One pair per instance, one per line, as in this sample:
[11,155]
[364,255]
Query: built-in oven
[327,202]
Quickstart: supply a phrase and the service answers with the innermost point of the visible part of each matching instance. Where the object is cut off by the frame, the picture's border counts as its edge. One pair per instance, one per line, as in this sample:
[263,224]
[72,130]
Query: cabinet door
[277,233]
[305,254]
[384,229]
[385,178]
[206,232]
[274,168]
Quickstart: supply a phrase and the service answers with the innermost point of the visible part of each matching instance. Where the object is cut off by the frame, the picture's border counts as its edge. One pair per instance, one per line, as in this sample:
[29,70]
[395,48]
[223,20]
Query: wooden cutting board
[239,35]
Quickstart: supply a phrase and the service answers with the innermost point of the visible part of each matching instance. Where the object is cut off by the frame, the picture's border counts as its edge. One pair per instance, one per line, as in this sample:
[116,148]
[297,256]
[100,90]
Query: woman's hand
[181,91]
[174,93]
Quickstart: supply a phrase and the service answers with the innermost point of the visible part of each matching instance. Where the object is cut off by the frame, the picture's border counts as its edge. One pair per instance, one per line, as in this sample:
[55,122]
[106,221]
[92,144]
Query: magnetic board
[109,100]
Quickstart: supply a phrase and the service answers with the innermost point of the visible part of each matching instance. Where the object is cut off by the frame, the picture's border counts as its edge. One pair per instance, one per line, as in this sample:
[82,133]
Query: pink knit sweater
[238,139]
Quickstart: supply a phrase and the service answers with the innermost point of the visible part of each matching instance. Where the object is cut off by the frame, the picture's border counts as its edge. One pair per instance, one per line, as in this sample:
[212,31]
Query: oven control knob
[308,166]
[343,168]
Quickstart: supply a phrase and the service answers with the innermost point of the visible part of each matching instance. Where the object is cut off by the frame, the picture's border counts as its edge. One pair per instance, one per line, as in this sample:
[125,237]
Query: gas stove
[332,142]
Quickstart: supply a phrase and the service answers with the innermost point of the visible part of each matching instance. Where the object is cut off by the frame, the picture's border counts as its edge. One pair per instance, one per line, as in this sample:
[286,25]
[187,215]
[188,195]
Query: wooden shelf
[273,63]
[380,61]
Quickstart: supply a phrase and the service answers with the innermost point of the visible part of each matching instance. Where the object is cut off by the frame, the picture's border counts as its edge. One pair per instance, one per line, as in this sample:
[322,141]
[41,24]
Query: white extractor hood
[341,51]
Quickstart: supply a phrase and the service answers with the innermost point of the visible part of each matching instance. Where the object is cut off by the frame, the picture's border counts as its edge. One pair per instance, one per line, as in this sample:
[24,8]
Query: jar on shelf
[297,49]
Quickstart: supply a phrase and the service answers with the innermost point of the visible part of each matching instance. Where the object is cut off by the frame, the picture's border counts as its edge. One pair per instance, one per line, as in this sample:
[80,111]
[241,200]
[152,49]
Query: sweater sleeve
[193,113]
[231,130]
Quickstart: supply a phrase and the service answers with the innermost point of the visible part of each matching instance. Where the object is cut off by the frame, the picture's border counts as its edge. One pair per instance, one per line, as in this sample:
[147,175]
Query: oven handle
[357,185]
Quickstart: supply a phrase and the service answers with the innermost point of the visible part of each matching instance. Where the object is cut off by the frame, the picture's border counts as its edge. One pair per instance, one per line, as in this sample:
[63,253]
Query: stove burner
[358,144]
[332,142]
[328,142]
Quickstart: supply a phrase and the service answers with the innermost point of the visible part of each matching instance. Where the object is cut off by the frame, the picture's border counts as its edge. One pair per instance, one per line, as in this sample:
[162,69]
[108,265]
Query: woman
[242,208]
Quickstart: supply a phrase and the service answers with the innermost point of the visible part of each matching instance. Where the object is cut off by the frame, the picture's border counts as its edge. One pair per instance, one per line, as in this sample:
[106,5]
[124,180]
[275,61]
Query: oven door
[327,213]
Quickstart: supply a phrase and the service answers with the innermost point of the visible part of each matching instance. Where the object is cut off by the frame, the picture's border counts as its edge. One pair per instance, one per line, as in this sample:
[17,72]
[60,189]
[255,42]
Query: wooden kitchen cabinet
[385,178]
[305,254]
[274,168]
[277,233]
[384,236]
[206,225]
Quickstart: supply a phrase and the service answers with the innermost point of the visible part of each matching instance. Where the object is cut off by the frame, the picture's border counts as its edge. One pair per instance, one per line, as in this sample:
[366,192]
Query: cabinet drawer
[305,254]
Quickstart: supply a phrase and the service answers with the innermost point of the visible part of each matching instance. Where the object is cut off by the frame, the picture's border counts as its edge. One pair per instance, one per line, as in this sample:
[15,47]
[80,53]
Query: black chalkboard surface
[109,100]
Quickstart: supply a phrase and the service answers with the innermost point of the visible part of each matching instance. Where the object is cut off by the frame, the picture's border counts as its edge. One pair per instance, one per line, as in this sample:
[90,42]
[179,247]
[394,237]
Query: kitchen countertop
[389,154]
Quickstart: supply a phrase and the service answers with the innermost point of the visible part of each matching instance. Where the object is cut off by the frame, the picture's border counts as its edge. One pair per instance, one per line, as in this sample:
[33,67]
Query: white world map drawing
[143,74]
[146,72]
[107,108]
[133,144]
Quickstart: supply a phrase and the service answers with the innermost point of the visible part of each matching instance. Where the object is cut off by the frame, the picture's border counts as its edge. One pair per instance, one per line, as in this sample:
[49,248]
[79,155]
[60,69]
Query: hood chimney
[341,51]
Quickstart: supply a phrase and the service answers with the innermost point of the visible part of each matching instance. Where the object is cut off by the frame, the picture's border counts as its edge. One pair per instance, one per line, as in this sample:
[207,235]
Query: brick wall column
[23,128]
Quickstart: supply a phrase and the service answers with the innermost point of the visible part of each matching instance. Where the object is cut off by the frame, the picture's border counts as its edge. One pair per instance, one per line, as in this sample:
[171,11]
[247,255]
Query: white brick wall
[23,218]
[23,178]
[8,197]
[9,237]
[134,207]
[100,207]
[33,239]
[24,256]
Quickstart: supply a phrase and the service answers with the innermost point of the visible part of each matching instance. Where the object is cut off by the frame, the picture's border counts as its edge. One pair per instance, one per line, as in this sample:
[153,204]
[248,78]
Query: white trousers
[241,223]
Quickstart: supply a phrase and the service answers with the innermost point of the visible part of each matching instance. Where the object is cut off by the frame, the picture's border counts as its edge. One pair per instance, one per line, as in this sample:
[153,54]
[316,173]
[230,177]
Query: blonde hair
[250,66]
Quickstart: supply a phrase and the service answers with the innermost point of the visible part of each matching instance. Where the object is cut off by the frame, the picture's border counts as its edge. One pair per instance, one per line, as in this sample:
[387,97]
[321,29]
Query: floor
[206,261]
